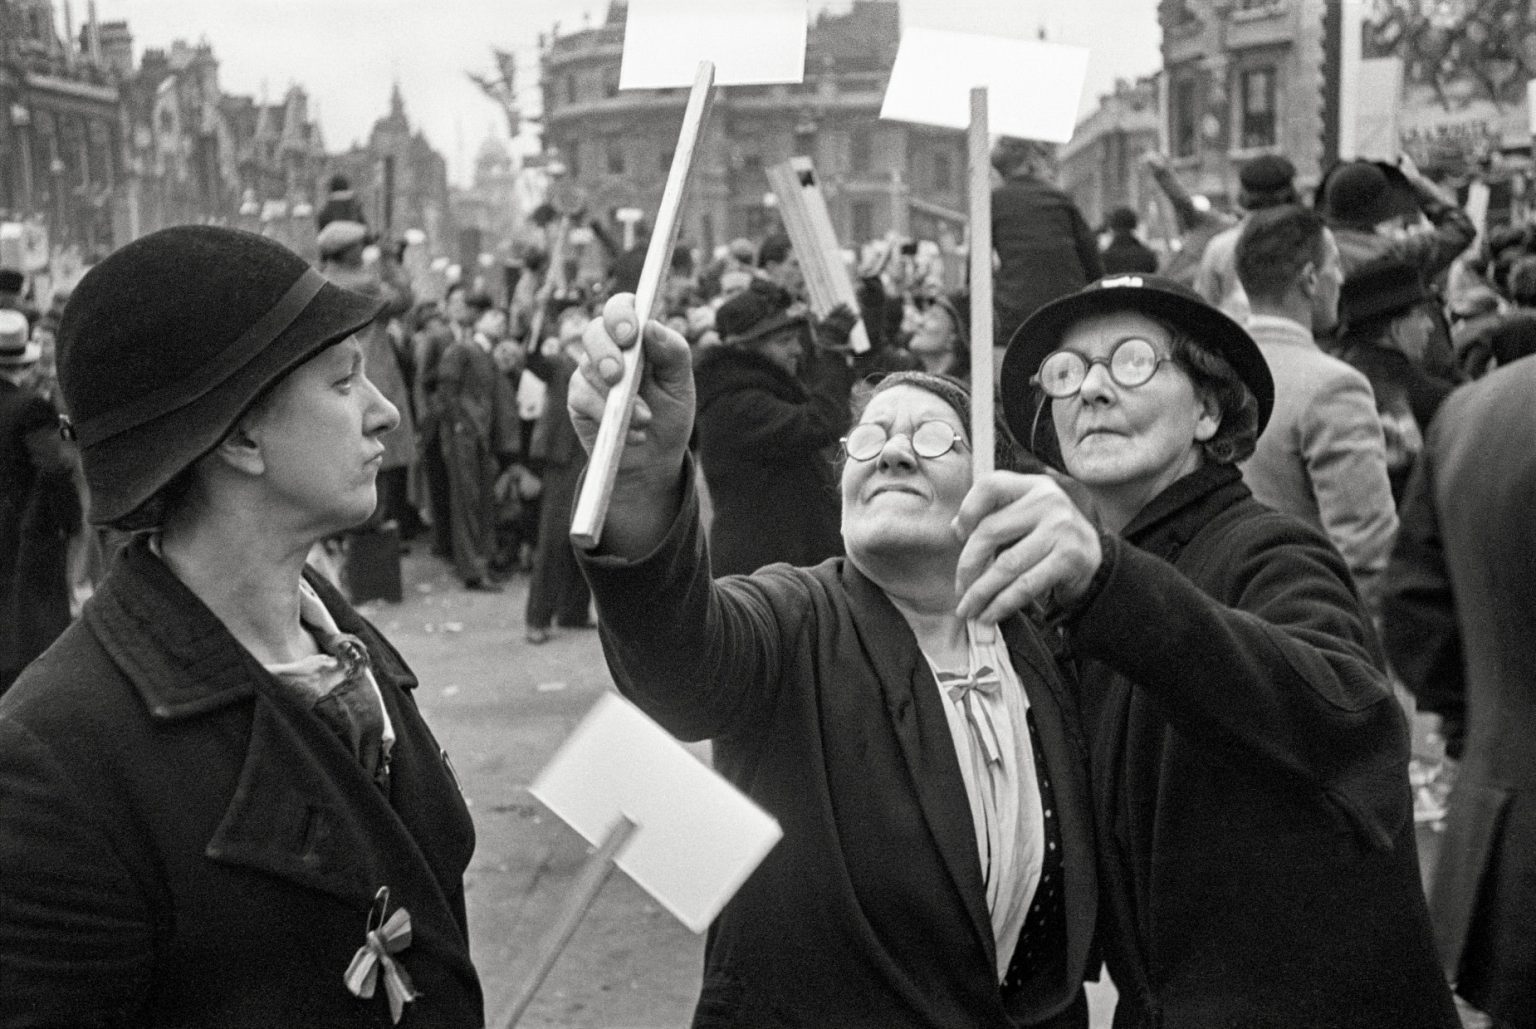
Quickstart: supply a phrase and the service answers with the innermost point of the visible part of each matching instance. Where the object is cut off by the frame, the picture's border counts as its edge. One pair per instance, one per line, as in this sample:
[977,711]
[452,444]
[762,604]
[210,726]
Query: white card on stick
[698,837]
[760,41]
[1032,87]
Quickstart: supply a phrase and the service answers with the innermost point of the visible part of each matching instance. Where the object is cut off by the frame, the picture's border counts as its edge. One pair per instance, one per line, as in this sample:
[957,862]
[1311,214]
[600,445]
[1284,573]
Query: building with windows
[1101,165]
[878,177]
[1246,77]
[60,133]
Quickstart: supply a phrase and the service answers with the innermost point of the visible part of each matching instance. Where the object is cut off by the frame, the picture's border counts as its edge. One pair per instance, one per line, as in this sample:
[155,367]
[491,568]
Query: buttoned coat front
[181,844]
[871,911]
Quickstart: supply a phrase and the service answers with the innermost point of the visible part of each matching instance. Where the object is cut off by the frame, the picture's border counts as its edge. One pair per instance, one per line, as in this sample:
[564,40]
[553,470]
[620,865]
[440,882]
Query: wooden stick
[983,432]
[603,469]
[583,892]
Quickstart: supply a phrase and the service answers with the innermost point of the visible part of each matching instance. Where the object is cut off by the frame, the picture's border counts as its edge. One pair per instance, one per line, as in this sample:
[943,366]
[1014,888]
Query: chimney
[116,45]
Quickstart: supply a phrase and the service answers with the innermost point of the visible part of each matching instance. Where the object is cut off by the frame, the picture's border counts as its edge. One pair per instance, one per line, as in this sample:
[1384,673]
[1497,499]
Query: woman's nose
[382,416]
[897,452]
[1097,383]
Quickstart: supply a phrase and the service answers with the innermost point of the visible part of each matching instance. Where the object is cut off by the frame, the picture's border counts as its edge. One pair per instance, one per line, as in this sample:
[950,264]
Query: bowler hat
[11,280]
[167,342]
[1156,297]
[755,313]
[1381,287]
[15,351]
[1357,194]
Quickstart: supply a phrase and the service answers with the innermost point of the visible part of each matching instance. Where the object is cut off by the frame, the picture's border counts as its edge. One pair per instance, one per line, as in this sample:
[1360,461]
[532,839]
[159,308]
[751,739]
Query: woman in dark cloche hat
[1248,759]
[219,804]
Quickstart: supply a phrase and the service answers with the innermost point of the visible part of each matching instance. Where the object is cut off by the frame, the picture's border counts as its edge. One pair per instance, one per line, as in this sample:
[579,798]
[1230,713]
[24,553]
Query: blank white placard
[750,41]
[698,837]
[1033,88]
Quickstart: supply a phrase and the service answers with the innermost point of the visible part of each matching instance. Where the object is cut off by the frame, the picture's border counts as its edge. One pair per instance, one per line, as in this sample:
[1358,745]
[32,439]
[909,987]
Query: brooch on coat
[385,937]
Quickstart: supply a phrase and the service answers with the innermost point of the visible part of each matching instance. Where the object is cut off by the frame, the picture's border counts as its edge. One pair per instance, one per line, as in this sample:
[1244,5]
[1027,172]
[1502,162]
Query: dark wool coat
[871,911]
[1458,604]
[765,443]
[1044,248]
[1250,776]
[181,844]
[38,509]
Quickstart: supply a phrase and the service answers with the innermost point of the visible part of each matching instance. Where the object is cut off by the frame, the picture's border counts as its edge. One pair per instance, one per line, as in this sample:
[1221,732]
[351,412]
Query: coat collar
[1178,513]
[180,658]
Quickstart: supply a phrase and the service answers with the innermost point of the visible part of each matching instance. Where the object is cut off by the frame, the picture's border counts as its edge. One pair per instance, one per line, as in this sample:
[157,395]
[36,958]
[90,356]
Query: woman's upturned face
[320,437]
[1130,442]
[935,333]
[898,501]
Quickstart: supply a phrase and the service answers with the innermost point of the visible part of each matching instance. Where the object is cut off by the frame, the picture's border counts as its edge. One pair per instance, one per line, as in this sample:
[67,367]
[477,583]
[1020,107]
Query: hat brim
[1042,333]
[127,469]
[30,354]
[767,327]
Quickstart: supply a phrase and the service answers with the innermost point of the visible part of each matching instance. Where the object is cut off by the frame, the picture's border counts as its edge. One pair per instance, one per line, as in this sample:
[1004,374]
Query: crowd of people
[1137,699]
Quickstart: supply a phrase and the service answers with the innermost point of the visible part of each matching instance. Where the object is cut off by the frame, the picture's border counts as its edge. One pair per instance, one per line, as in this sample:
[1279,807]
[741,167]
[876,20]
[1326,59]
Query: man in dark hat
[1268,180]
[466,387]
[13,285]
[1124,252]
[341,204]
[763,431]
[1359,204]
[219,803]
[1044,246]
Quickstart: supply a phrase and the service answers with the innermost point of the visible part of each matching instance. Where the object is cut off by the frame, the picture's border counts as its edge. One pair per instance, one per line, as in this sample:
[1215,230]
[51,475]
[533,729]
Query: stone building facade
[878,177]
[1101,165]
[1243,78]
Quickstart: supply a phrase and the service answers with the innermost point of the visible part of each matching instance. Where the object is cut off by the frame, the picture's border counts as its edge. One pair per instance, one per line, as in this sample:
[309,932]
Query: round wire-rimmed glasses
[1132,363]
[929,440]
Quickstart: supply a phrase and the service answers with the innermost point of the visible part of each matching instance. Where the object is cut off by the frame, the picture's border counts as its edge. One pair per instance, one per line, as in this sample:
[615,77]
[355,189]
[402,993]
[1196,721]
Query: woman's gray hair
[1213,376]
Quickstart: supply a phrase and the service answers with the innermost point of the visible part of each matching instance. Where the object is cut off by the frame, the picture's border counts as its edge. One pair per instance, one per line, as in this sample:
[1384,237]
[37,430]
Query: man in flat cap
[1267,181]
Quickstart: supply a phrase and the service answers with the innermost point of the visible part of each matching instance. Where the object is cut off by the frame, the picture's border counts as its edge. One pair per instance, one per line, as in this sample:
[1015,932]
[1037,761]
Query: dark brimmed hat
[755,313]
[340,236]
[1160,298]
[11,280]
[166,343]
[1381,287]
[1267,181]
[1357,194]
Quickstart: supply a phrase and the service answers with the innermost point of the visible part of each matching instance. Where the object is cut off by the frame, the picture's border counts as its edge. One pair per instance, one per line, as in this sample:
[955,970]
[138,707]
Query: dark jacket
[1458,602]
[871,911]
[1126,253]
[1044,247]
[1250,777]
[39,508]
[184,845]
[766,443]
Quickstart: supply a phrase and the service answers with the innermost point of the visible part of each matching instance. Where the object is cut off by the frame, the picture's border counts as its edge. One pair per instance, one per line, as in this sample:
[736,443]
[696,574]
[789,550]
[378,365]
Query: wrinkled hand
[662,415]
[1025,542]
[833,331]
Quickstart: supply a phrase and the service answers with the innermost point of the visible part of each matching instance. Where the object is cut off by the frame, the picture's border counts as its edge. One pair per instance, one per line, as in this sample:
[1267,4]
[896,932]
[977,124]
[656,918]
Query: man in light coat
[1458,603]
[1322,458]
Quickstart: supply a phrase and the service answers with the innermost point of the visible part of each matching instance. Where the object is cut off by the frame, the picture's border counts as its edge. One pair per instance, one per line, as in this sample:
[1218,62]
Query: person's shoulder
[72,685]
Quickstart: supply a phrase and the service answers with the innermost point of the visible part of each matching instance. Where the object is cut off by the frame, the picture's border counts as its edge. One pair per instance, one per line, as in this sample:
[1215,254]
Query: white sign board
[698,838]
[1381,87]
[760,41]
[1530,105]
[1032,87]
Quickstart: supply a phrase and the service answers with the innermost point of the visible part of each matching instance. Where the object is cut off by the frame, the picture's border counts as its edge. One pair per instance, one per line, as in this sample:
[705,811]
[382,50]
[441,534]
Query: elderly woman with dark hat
[771,408]
[1249,762]
[219,804]
[937,866]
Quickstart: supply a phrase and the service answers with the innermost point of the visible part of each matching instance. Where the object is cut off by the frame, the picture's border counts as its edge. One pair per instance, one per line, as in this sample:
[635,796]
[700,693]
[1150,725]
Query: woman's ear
[240,449]
[1208,421]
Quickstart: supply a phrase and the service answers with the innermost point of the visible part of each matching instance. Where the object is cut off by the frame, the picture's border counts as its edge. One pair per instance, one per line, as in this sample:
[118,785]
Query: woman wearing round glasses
[1248,760]
[937,865]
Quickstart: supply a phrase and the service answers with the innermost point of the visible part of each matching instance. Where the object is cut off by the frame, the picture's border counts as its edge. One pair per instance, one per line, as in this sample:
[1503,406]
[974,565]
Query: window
[664,163]
[610,82]
[863,221]
[805,143]
[1256,94]
[943,172]
[570,88]
[1184,116]
[859,150]
[615,157]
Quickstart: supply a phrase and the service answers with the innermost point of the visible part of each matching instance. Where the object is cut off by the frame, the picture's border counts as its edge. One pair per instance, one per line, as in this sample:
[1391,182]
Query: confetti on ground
[453,626]
[550,687]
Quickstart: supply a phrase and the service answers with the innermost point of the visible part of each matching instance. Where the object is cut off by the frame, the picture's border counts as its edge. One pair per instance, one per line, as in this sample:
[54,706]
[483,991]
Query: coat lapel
[912,701]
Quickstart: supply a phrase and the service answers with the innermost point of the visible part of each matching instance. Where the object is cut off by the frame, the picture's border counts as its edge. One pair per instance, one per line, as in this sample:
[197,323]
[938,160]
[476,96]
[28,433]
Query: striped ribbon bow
[962,689]
[373,959]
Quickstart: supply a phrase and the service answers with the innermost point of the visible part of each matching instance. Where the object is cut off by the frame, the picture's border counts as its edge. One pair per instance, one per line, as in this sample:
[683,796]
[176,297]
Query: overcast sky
[347,53]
